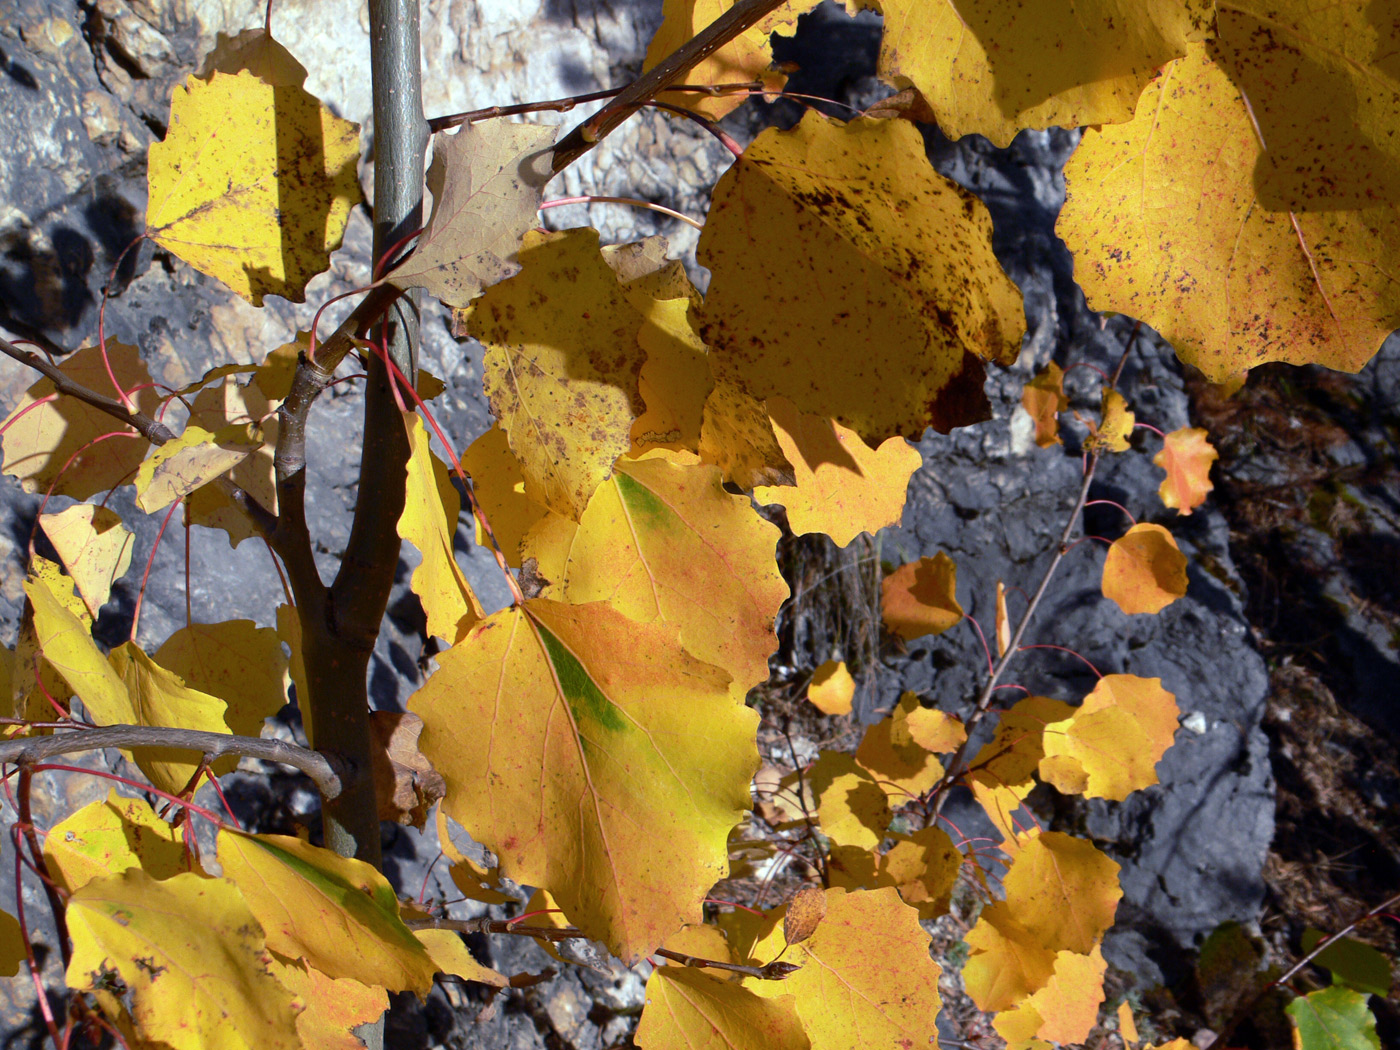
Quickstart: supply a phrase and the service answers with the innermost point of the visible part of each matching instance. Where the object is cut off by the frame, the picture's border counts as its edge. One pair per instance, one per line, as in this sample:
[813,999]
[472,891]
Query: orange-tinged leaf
[450,955]
[1015,750]
[192,460]
[1007,963]
[832,688]
[856,207]
[159,697]
[920,597]
[687,1009]
[337,913]
[561,366]
[747,57]
[1063,890]
[1065,1008]
[932,729]
[1044,398]
[1163,215]
[12,945]
[923,867]
[737,436]
[661,539]
[429,522]
[253,183]
[1144,571]
[804,914]
[93,546]
[1116,738]
[1127,1027]
[841,487]
[498,483]
[235,660]
[1003,622]
[855,991]
[1113,431]
[487,181]
[331,1008]
[995,67]
[68,647]
[104,838]
[191,955]
[903,768]
[1186,456]
[605,737]
[851,807]
[40,441]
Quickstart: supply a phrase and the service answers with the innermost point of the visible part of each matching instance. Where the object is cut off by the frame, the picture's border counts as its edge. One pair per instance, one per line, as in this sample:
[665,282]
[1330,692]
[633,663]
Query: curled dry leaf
[1145,571]
[805,912]
[405,782]
[919,597]
[832,688]
[1186,456]
[1003,622]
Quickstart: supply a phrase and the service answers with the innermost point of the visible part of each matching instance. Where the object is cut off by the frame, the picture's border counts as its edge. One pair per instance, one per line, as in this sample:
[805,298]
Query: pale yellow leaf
[93,546]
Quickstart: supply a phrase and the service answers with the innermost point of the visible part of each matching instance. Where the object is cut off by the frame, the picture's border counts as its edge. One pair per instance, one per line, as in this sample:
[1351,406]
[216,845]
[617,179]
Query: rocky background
[1278,803]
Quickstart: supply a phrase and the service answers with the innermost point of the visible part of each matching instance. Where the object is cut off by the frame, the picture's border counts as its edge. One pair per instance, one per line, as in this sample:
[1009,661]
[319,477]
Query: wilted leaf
[1186,456]
[104,838]
[253,184]
[995,67]
[605,737]
[331,1008]
[737,436]
[855,207]
[888,752]
[805,911]
[561,366]
[855,991]
[191,956]
[851,807]
[40,441]
[662,540]
[499,486]
[235,660]
[1164,217]
[1335,1018]
[487,181]
[841,487]
[1043,399]
[405,782]
[1144,571]
[193,459]
[1113,741]
[686,1009]
[429,522]
[337,913]
[1065,1008]
[1063,890]
[920,597]
[832,688]
[94,547]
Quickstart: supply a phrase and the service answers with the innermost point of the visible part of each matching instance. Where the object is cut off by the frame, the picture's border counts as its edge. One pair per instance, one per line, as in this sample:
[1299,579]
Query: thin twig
[31,838]
[563,105]
[329,773]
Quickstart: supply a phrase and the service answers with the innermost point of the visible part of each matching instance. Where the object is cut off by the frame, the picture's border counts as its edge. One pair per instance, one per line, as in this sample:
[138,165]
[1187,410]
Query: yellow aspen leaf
[737,436]
[192,957]
[253,184]
[661,539]
[923,866]
[1000,802]
[331,1007]
[487,181]
[93,546]
[337,913]
[1016,748]
[1043,399]
[923,300]
[1164,214]
[1144,571]
[832,688]
[920,597]
[1064,1009]
[596,704]
[159,697]
[1003,622]
[429,522]
[994,68]
[855,991]
[687,1009]
[851,807]
[888,752]
[1007,963]
[561,366]
[932,729]
[12,945]
[256,51]
[67,646]
[193,459]
[40,441]
[853,868]
[1186,456]
[222,405]
[841,486]
[675,379]
[235,660]
[450,955]
[747,57]
[1114,740]
[1111,434]
[1127,1027]
[701,941]
[804,914]
[1175,1044]
[1063,890]
[107,837]
[498,482]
